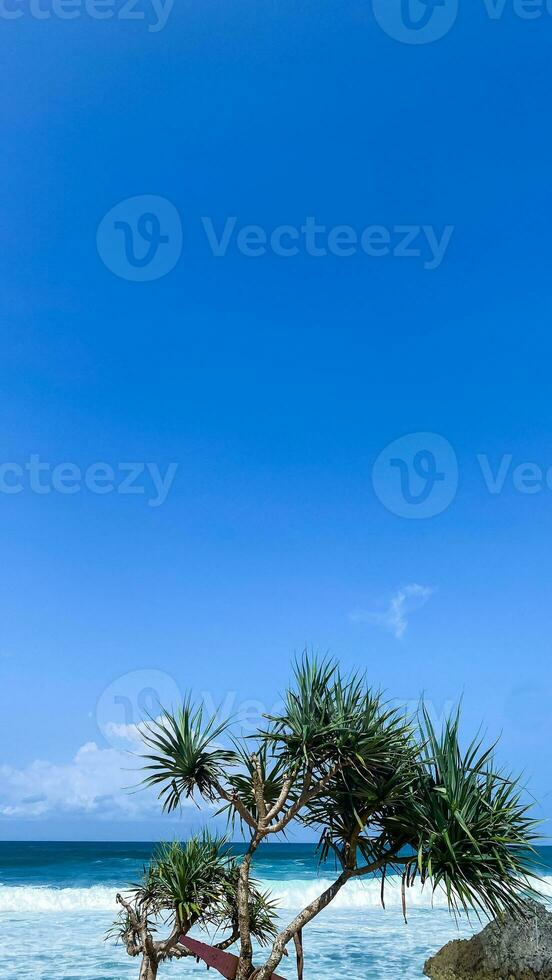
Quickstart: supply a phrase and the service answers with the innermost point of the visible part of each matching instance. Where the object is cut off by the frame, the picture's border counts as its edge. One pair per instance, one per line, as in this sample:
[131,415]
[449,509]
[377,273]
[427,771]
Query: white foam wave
[24,898]
[361,894]
[291,894]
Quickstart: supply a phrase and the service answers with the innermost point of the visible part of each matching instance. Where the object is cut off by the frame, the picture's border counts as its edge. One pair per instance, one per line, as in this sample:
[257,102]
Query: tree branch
[258,788]
[306,796]
[316,906]
[233,799]
[130,911]
[283,797]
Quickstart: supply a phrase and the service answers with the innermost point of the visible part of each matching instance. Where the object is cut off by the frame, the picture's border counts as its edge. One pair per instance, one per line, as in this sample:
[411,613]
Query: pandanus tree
[383,793]
[185,886]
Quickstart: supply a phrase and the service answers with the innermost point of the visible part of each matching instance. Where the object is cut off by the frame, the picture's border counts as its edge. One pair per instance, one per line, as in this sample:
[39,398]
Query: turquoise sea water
[58,900]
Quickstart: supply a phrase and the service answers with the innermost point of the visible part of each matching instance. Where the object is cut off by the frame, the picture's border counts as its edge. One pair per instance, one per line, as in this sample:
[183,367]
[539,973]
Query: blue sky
[271,384]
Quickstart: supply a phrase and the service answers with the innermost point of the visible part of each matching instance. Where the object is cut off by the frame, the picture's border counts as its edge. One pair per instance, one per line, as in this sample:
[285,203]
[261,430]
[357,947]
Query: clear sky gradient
[273,382]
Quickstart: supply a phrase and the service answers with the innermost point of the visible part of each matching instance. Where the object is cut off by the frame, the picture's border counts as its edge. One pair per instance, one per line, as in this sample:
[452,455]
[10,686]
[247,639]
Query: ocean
[57,900]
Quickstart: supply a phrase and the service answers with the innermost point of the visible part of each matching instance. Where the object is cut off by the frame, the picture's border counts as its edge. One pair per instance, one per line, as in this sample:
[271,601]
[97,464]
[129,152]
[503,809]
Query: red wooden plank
[225,963]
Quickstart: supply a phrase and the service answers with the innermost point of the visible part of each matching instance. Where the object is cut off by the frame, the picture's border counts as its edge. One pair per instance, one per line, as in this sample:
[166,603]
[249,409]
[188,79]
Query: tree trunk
[245,964]
[149,968]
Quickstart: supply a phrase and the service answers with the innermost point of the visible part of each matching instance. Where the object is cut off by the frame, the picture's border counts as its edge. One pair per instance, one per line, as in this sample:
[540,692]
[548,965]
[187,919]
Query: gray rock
[507,949]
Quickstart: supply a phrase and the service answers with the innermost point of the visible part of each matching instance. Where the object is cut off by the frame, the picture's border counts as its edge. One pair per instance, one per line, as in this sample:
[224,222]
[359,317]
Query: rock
[507,949]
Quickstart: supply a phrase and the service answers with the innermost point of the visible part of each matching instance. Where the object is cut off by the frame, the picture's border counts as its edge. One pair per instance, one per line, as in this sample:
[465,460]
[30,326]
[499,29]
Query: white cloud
[395,616]
[130,735]
[98,782]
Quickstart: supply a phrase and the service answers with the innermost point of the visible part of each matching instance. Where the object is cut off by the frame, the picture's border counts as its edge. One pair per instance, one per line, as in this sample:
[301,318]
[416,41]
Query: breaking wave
[291,893]
[32,898]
